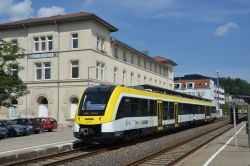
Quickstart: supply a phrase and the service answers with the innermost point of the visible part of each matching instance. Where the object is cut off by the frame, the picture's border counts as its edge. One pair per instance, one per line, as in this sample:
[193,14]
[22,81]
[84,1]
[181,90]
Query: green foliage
[11,86]
[235,86]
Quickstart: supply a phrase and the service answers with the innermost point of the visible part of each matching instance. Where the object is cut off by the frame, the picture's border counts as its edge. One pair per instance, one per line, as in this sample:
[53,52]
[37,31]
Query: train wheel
[127,136]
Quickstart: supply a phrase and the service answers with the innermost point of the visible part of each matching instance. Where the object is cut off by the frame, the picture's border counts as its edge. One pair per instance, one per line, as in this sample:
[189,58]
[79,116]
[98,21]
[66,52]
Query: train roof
[167,92]
[146,87]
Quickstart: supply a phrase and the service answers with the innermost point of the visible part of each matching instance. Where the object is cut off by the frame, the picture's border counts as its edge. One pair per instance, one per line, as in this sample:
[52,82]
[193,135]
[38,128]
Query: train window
[153,110]
[171,110]
[145,107]
[185,108]
[135,107]
[181,110]
[198,109]
[124,108]
[165,110]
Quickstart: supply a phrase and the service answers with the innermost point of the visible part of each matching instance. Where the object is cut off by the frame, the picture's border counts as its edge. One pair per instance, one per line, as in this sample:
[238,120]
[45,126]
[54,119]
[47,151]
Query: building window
[124,56]
[100,43]
[124,77]
[47,70]
[177,86]
[155,68]
[150,66]
[43,43]
[14,43]
[132,59]
[115,74]
[100,71]
[145,79]
[132,78]
[36,43]
[74,40]
[139,61]
[75,69]
[50,43]
[116,52]
[38,71]
[14,71]
[160,70]
[190,85]
[145,64]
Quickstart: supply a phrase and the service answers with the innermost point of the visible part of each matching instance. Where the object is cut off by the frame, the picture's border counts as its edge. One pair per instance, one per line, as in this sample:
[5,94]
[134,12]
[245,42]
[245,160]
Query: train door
[176,113]
[160,115]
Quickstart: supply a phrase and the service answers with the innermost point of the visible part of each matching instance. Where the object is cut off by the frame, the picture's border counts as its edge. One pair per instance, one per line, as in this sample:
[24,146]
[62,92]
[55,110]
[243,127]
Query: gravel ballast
[129,154]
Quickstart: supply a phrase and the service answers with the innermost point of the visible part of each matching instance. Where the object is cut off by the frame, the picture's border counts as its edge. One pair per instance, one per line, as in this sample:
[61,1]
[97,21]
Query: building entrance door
[43,108]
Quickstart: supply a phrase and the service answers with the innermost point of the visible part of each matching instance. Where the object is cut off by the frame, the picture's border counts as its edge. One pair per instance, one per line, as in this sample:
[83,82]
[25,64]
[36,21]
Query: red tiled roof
[56,18]
[164,60]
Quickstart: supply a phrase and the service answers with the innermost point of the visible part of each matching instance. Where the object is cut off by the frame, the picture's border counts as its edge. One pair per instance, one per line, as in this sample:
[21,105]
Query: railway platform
[36,145]
[222,151]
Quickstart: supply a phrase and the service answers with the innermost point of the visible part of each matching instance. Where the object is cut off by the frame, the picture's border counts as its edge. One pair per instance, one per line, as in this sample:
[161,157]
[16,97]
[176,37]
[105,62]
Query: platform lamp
[233,105]
[248,124]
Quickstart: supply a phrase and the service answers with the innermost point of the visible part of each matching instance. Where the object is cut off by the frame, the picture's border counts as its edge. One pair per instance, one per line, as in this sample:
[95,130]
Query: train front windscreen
[94,102]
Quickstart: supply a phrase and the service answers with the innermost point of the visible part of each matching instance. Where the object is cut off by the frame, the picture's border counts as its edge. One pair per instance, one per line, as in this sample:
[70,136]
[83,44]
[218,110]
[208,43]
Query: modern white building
[200,86]
[67,53]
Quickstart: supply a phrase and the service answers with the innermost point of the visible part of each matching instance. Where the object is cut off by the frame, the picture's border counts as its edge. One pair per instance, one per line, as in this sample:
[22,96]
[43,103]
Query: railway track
[61,158]
[177,152]
[87,151]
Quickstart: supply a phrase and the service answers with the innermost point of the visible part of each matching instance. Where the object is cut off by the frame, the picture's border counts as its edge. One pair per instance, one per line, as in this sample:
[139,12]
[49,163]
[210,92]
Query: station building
[67,53]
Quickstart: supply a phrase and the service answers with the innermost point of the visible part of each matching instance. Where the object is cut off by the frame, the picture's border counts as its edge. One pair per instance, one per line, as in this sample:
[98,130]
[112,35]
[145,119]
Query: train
[108,113]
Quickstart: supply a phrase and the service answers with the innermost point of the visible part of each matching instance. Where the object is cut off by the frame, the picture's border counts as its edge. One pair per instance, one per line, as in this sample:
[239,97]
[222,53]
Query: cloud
[50,11]
[21,10]
[224,29]
[16,11]
[5,6]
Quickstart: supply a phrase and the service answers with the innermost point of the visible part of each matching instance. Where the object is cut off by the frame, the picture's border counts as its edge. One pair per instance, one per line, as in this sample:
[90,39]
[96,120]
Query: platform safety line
[37,146]
[223,147]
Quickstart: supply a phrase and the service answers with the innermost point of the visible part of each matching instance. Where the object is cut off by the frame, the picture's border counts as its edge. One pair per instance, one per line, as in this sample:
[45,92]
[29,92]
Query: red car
[48,123]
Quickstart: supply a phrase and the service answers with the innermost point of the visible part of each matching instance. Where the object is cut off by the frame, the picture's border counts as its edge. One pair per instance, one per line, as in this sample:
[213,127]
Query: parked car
[3,132]
[48,123]
[14,129]
[32,123]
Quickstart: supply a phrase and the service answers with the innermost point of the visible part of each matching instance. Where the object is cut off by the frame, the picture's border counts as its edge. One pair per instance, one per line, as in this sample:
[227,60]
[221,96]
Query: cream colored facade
[110,63]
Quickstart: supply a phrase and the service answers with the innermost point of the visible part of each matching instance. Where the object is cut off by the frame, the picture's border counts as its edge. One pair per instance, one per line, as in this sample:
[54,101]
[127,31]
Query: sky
[201,36]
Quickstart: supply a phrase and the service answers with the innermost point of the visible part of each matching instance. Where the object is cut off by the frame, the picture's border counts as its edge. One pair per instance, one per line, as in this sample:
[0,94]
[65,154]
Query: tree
[11,86]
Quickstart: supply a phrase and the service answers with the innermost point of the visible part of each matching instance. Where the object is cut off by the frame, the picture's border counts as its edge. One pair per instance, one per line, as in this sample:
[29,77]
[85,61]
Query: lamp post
[233,105]
[89,67]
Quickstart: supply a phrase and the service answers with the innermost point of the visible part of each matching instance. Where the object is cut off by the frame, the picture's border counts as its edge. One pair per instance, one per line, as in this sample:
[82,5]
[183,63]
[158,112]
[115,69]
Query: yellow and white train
[110,113]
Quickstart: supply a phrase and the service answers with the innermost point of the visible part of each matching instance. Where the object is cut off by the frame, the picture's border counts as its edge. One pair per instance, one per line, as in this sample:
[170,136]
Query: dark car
[33,124]
[47,123]
[14,129]
[3,132]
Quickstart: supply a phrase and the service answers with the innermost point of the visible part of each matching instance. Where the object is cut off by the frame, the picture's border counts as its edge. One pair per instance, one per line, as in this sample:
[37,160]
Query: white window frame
[124,56]
[190,83]
[178,84]
[131,78]
[74,38]
[41,44]
[50,41]
[74,66]
[38,68]
[47,68]
[124,77]
[100,43]
[115,52]
[100,72]
[36,42]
